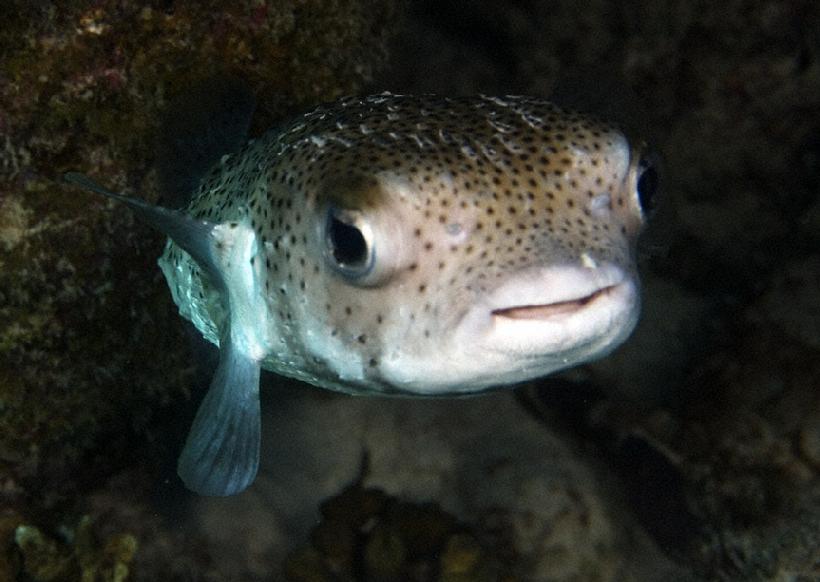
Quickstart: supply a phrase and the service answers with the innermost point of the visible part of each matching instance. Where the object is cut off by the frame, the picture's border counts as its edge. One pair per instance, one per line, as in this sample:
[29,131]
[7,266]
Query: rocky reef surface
[92,356]
[693,453]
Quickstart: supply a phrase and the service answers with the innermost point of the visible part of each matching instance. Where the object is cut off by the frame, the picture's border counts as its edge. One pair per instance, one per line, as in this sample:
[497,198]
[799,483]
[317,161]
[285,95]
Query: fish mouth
[557,313]
[538,321]
[556,309]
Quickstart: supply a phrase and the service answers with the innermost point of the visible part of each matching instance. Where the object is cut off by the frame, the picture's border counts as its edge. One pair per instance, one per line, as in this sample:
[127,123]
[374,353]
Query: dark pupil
[647,186]
[348,245]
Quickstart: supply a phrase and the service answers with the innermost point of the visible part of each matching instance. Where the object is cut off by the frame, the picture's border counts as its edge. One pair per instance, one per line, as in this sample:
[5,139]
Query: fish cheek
[345,321]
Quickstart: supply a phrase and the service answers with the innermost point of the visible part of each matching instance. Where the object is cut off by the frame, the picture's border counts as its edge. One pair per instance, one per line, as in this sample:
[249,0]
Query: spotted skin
[460,197]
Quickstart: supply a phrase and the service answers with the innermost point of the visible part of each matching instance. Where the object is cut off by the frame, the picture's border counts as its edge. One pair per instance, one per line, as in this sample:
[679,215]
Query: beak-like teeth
[549,310]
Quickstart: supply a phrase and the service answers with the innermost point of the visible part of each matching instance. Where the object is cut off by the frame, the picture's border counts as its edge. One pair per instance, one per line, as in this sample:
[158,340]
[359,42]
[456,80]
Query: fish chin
[535,324]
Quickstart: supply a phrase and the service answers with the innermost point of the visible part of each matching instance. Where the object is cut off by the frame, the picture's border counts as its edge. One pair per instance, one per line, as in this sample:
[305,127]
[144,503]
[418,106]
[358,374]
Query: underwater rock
[720,434]
[82,557]
[10,559]
[92,356]
[529,497]
[385,539]
[742,447]
[43,559]
[791,302]
[89,348]
[730,91]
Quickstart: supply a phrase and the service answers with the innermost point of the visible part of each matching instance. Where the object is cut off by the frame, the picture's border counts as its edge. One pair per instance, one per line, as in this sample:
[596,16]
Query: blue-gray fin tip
[221,454]
[191,234]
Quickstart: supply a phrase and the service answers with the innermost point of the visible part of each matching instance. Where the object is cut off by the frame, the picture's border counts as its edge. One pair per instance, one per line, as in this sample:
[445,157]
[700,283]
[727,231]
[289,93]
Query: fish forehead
[499,163]
[485,187]
[488,127]
[392,111]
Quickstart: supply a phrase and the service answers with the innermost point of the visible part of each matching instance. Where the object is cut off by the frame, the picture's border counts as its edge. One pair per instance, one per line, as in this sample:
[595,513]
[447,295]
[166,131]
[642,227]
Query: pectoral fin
[221,455]
[192,235]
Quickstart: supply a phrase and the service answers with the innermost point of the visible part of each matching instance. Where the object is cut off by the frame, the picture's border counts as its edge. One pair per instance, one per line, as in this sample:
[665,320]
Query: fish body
[470,207]
[414,245]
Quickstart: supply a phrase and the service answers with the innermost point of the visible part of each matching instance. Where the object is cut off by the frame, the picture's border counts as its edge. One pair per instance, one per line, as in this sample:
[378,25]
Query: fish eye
[648,181]
[348,243]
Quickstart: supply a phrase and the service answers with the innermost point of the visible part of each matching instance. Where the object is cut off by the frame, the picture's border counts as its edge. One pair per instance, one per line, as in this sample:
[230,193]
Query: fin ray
[221,454]
[192,235]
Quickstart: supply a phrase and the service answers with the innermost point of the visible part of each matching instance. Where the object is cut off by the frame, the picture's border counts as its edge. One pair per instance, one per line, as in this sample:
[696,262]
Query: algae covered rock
[92,352]
[82,557]
[367,535]
[90,346]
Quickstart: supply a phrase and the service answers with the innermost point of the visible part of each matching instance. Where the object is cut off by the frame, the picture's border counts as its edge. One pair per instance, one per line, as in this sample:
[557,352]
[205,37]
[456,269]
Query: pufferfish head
[480,258]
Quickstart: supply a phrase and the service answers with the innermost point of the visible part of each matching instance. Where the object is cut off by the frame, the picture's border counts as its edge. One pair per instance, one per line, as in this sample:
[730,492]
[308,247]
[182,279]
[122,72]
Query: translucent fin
[221,455]
[192,235]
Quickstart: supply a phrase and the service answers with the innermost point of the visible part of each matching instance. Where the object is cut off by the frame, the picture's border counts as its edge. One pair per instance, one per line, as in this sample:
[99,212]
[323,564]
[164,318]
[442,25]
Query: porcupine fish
[413,245]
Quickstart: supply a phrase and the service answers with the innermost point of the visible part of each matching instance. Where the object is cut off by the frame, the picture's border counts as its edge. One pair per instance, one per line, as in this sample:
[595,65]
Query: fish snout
[559,314]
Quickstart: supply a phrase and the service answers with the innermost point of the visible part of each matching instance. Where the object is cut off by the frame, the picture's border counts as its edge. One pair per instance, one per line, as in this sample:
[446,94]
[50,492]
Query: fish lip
[554,313]
[567,287]
[554,309]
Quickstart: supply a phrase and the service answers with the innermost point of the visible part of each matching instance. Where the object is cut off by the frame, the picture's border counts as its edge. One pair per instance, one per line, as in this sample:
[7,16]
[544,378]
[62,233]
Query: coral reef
[367,535]
[82,88]
[737,463]
[546,509]
[45,559]
[692,453]
[91,352]
[709,413]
